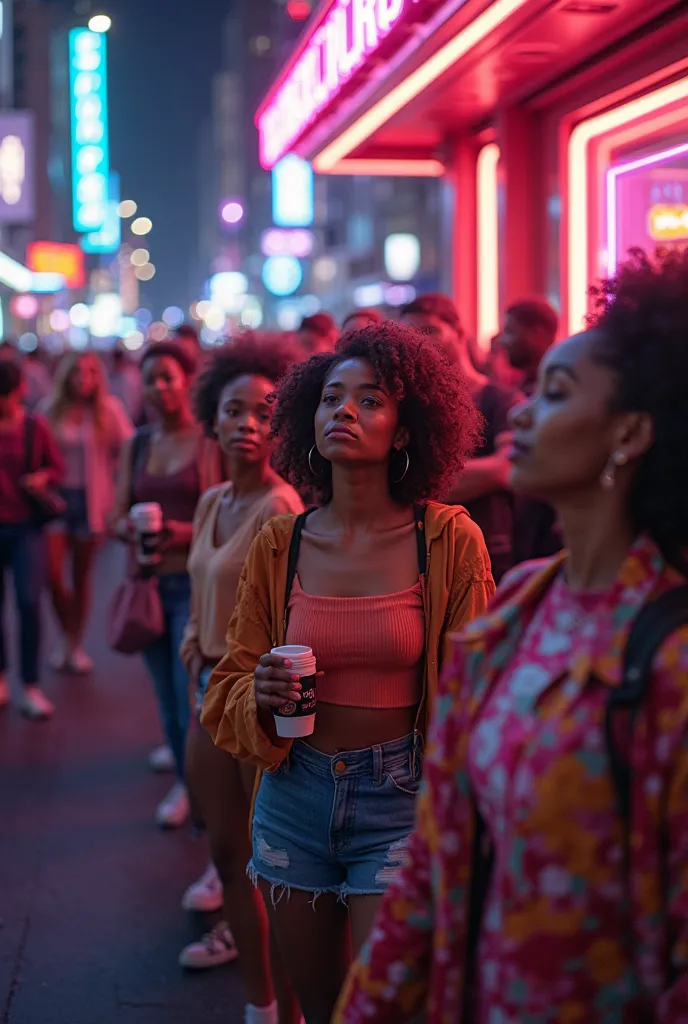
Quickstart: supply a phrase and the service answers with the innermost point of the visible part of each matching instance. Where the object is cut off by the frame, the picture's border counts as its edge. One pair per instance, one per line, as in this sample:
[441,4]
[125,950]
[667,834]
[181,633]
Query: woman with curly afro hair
[374,580]
[234,402]
[562,747]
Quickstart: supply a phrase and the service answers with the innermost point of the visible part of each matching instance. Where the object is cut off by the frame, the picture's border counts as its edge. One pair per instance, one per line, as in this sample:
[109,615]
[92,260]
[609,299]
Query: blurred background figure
[187,338]
[37,378]
[530,329]
[499,369]
[317,333]
[30,464]
[91,428]
[361,318]
[172,464]
[125,383]
[483,484]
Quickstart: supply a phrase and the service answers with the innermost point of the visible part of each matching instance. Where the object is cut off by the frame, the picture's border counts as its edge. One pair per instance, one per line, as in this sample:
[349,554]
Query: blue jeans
[165,667]
[22,549]
[336,824]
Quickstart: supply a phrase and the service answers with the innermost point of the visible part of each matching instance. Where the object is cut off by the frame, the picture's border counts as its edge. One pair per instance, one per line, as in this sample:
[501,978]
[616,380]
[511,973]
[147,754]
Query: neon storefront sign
[342,43]
[668,223]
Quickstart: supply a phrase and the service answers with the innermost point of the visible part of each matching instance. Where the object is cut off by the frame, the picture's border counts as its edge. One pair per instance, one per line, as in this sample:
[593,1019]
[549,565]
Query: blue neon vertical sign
[90,143]
[292,193]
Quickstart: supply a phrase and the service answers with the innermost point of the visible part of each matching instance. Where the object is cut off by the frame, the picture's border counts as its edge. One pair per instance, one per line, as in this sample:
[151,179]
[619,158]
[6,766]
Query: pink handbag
[135,617]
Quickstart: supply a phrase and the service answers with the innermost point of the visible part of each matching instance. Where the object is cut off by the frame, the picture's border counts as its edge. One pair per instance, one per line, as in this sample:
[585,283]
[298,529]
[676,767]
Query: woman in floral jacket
[527,896]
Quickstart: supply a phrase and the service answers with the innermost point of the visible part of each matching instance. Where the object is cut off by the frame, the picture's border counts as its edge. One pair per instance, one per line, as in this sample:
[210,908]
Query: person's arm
[472,585]
[189,650]
[230,713]
[481,477]
[392,981]
[672,665]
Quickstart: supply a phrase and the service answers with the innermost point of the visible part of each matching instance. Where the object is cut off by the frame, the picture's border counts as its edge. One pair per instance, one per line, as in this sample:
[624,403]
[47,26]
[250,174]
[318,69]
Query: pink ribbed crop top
[370,648]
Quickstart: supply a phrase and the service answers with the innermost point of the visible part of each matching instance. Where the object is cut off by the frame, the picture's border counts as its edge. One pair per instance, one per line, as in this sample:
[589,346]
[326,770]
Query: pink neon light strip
[612,176]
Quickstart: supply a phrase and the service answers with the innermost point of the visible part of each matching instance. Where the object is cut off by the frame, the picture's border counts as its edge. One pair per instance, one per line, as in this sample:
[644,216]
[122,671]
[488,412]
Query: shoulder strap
[653,625]
[29,442]
[293,557]
[419,513]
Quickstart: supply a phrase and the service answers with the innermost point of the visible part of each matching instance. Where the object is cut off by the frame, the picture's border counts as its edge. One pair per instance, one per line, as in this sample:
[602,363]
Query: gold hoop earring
[406,467]
[310,462]
[608,478]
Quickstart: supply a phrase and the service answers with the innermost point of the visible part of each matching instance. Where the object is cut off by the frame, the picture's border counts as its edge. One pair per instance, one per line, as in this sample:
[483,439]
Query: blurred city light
[369,295]
[158,331]
[127,208]
[78,338]
[48,284]
[142,225]
[214,318]
[134,341]
[209,336]
[309,305]
[252,312]
[227,290]
[100,23]
[232,211]
[60,320]
[15,275]
[89,119]
[325,269]
[145,273]
[298,10]
[24,307]
[140,257]
[144,317]
[287,242]
[292,193]
[28,342]
[282,275]
[57,258]
[288,316]
[106,314]
[399,294]
[80,315]
[202,308]
[193,311]
[402,256]
[173,316]
[127,326]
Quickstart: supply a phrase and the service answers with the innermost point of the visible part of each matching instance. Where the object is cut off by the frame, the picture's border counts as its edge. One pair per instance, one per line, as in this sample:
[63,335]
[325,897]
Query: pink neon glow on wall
[636,214]
[351,32]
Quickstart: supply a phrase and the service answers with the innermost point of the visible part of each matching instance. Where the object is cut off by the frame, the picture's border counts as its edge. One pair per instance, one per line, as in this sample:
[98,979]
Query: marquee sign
[339,46]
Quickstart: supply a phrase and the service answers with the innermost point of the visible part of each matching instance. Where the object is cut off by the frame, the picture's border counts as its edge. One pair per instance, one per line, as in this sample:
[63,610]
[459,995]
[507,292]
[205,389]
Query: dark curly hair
[642,319]
[435,406]
[160,349]
[250,354]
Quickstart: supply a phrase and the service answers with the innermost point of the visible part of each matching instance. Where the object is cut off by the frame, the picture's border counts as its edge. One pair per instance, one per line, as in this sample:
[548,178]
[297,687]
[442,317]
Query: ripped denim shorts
[335,824]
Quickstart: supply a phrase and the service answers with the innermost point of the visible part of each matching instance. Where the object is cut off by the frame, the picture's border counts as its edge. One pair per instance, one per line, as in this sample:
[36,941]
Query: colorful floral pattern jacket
[416,965]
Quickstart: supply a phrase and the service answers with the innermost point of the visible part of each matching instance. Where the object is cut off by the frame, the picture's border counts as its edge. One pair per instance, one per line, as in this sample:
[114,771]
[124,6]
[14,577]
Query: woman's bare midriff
[342,728]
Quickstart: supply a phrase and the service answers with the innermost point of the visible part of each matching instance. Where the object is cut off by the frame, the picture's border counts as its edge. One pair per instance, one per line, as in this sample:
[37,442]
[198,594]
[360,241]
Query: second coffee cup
[297,718]
[147,520]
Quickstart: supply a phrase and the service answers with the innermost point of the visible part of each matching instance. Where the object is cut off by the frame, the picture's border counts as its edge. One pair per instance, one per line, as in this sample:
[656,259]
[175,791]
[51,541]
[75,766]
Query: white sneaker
[60,656]
[173,811]
[5,695]
[79,662]
[206,894]
[161,759]
[35,705]
[214,949]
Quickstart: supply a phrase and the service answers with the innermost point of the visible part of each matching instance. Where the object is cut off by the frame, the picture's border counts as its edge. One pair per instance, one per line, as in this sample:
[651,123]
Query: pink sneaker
[213,950]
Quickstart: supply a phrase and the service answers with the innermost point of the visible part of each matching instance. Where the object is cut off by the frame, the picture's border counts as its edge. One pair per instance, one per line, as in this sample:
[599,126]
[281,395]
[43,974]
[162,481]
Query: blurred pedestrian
[187,337]
[30,465]
[317,333]
[171,464]
[361,318]
[530,330]
[482,486]
[381,578]
[234,402]
[125,383]
[547,878]
[91,428]
[38,380]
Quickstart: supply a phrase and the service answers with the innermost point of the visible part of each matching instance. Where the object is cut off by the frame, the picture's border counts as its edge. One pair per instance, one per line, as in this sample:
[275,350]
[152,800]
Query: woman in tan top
[233,401]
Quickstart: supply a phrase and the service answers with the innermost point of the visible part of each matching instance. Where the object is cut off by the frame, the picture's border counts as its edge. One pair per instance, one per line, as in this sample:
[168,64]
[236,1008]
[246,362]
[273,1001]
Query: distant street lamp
[100,23]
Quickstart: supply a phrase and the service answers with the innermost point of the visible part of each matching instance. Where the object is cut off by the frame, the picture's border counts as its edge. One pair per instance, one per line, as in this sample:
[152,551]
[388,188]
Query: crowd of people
[483,817]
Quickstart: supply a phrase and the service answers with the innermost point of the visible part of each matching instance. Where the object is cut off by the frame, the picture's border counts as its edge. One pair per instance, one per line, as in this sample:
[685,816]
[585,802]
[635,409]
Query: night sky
[162,59]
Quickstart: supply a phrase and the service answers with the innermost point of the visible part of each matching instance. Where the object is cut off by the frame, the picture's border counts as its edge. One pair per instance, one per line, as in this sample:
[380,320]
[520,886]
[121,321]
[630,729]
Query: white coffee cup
[297,718]
[147,520]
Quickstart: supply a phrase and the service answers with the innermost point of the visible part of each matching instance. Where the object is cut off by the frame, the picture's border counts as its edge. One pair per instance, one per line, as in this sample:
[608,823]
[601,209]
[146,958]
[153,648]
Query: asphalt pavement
[90,918]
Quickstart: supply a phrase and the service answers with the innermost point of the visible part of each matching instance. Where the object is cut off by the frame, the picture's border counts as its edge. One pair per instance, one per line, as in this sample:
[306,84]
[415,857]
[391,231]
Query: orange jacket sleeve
[230,713]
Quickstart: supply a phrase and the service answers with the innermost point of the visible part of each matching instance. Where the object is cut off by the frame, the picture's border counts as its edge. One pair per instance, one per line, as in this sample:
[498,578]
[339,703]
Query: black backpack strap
[419,513]
[293,557]
[653,625]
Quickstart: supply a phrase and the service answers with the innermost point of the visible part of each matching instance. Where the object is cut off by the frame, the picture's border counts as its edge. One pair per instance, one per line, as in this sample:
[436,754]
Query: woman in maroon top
[30,461]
